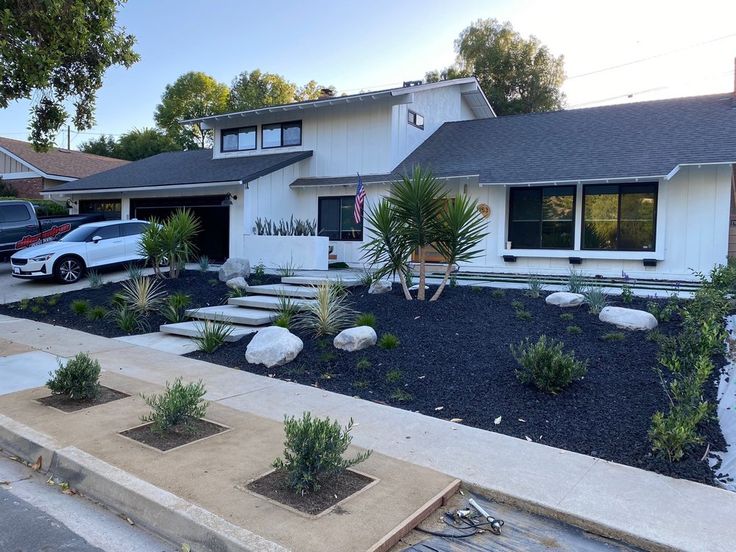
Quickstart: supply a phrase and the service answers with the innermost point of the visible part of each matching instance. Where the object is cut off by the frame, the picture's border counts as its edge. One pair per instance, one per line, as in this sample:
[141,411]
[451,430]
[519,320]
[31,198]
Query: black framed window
[542,218]
[281,135]
[415,119]
[620,217]
[238,139]
[336,219]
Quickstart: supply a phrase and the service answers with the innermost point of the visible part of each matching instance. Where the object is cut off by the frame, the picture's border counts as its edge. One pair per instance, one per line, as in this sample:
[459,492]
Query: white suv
[88,246]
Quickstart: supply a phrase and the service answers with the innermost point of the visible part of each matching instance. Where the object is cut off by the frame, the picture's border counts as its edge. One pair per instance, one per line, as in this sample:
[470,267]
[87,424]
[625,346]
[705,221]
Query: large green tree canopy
[133,145]
[56,52]
[194,94]
[517,74]
[254,89]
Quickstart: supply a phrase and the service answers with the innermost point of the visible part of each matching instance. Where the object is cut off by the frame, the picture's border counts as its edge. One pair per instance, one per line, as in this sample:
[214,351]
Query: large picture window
[620,217]
[336,219]
[239,139]
[542,218]
[281,135]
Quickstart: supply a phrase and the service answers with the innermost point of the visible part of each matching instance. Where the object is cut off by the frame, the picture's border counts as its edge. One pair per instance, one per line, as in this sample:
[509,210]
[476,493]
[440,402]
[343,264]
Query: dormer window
[281,135]
[415,119]
[239,139]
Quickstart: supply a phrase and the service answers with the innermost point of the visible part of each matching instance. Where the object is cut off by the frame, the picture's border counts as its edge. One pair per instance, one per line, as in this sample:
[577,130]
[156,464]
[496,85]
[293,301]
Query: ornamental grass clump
[78,379]
[178,406]
[366,319]
[313,452]
[286,312]
[328,314]
[212,334]
[175,306]
[143,294]
[545,365]
[596,300]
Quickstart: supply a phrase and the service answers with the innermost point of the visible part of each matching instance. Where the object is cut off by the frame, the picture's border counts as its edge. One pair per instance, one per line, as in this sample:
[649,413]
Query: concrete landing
[304,292]
[162,342]
[194,329]
[233,314]
[317,280]
[267,302]
[26,370]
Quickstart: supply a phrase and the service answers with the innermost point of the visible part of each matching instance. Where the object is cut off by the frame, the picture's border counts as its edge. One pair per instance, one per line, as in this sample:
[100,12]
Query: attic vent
[326,93]
[412,83]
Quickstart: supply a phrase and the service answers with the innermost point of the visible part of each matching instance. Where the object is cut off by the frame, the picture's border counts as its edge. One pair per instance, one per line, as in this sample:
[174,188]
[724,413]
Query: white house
[644,188]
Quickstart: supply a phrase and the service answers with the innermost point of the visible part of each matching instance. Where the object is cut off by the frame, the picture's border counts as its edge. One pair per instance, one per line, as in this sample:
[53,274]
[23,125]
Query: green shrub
[400,395]
[128,319]
[673,433]
[360,384]
[259,274]
[179,405]
[517,305]
[235,291]
[567,316]
[286,311]
[388,341]
[363,364]
[394,376]
[212,334]
[366,277]
[534,286]
[545,365]
[170,242]
[498,293]
[613,336]
[313,452]
[175,306]
[78,379]
[327,314]
[596,299]
[53,300]
[627,295]
[80,306]
[94,278]
[574,330]
[24,303]
[97,313]
[523,315]
[366,319]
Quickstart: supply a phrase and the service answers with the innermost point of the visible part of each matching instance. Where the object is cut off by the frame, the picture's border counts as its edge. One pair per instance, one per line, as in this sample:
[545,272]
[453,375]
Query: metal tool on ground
[495,524]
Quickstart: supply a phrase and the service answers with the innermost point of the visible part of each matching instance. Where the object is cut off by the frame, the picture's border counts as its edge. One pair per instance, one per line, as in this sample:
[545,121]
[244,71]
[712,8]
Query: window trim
[319,218]
[621,185]
[237,130]
[541,247]
[412,119]
[281,139]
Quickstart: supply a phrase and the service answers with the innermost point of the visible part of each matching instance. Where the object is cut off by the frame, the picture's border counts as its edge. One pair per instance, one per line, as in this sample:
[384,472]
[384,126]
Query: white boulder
[355,339]
[237,283]
[234,267]
[380,286]
[273,346]
[565,299]
[628,319]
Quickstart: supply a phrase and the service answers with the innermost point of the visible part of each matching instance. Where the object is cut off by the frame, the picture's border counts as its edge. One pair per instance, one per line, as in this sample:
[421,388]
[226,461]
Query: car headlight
[42,258]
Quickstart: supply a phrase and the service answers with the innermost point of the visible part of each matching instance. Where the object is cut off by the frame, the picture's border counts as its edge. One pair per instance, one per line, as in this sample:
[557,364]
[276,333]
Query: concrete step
[233,315]
[268,302]
[317,280]
[194,329]
[302,292]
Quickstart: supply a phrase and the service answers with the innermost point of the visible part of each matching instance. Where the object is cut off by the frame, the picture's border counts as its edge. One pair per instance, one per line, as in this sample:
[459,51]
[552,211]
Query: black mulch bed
[204,288]
[274,486]
[179,435]
[65,404]
[454,362]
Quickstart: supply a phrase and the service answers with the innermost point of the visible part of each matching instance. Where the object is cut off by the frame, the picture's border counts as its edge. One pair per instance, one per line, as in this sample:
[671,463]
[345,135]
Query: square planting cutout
[333,491]
[177,436]
[65,404]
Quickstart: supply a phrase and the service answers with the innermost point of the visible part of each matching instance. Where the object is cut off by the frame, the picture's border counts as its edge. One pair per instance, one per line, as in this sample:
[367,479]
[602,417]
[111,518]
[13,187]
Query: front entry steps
[233,315]
[319,280]
[267,302]
[304,292]
[194,329]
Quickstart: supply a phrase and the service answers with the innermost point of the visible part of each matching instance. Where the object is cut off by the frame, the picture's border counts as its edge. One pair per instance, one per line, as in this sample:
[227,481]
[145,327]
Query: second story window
[415,119]
[281,135]
[239,139]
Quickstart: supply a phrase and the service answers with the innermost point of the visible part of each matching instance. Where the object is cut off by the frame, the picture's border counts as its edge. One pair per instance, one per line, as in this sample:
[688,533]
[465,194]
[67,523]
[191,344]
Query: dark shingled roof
[629,140]
[185,167]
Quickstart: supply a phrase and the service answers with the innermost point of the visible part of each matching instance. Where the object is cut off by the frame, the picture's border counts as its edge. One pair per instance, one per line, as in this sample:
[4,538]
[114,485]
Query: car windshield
[79,234]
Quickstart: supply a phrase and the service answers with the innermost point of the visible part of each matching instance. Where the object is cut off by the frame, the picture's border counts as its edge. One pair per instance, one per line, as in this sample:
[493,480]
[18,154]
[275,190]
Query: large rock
[355,339]
[273,346]
[233,268]
[628,319]
[380,286]
[237,283]
[565,299]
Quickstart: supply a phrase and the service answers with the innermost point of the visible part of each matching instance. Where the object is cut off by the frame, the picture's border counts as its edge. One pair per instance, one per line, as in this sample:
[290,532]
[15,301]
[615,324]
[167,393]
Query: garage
[213,212]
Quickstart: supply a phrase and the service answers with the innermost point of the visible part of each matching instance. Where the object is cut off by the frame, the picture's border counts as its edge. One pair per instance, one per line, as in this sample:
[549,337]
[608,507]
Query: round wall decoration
[484,210]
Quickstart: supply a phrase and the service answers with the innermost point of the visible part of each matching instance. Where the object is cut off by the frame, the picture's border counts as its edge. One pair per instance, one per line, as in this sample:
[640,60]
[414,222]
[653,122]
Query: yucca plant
[327,314]
[177,239]
[175,306]
[212,334]
[576,282]
[596,299]
[460,228]
[143,294]
[286,311]
[94,278]
[150,245]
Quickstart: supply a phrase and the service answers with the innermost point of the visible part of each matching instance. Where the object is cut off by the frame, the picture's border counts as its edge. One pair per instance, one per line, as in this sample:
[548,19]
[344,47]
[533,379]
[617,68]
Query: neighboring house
[28,172]
[641,188]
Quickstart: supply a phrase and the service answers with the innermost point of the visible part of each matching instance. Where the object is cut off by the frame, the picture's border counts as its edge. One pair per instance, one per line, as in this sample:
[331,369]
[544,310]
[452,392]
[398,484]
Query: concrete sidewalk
[639,507]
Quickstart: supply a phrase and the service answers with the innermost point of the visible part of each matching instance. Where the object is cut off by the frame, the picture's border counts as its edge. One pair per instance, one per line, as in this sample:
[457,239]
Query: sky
[614,51]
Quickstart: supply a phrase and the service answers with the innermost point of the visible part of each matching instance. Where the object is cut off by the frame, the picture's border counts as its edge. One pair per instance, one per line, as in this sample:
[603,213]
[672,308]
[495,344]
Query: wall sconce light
[70,203]
[229,198]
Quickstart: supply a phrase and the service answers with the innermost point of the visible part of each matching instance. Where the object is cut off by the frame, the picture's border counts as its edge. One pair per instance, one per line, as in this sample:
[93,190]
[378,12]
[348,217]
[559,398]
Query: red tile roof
[61,162]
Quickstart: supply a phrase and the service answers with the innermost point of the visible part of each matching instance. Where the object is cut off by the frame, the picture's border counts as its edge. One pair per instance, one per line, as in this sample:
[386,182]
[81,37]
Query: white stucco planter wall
[304,252]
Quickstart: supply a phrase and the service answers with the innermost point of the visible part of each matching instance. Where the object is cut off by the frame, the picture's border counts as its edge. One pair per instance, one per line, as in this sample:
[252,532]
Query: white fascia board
[19,175]
[677,168]
[576,181]
[163,188]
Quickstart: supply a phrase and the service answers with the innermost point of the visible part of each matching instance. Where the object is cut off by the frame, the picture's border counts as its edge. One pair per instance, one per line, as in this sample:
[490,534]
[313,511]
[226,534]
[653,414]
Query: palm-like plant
[418,201]
[388,250]
[460,228]
[151,247]
[177,239]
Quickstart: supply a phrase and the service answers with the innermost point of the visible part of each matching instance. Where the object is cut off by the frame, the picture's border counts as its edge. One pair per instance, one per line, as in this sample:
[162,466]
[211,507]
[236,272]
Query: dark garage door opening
[213,238]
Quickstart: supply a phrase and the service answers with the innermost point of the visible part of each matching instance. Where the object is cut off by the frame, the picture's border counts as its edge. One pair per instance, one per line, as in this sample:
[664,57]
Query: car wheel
[68,270]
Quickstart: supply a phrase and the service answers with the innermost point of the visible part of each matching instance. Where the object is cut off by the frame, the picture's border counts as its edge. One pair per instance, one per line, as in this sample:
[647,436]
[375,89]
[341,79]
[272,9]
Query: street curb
[159,511]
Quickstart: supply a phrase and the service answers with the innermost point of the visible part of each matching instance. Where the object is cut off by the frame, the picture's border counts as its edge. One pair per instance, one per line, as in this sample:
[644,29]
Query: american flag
[359,199]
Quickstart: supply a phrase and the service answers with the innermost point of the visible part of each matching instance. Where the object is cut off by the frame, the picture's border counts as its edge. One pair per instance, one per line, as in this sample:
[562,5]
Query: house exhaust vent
[326,93]
[407,84]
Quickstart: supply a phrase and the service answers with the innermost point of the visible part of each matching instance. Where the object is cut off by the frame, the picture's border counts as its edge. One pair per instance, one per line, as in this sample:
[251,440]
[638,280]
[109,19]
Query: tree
[139,144]
[518,75]
[58,51]
[104,145]
[312,91]
[256,89]
[194,94]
